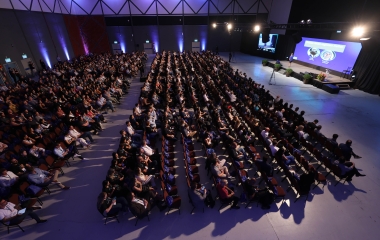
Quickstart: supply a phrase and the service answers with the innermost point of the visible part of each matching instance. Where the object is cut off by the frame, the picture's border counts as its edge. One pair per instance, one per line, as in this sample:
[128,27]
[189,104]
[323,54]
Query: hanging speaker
[297,38]
[265,35]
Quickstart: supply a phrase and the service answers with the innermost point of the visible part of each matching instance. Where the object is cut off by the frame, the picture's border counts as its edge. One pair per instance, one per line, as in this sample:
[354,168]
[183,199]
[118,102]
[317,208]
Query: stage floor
[300,68]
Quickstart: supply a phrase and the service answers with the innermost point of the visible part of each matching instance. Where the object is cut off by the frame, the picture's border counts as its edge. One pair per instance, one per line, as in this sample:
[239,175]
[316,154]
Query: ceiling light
[358,31]
[214,25]
[256,28]
[229,26]
[302,22]
[365,39]
[309,21]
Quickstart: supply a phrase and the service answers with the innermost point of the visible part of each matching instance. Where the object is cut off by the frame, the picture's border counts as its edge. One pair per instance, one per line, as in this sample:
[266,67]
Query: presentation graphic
[336,55]
[268,46]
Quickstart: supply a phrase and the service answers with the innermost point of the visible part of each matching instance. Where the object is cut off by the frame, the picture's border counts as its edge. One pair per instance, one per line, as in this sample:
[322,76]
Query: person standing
[142,70]
[229,57]
[291,59]
[43,65]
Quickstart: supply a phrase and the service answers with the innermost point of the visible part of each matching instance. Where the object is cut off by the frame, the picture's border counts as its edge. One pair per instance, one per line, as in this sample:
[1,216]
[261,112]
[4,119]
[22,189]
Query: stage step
[343,86]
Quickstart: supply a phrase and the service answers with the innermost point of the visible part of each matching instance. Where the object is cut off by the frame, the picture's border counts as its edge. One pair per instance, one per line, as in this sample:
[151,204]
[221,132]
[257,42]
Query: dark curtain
[249,43]
[367,67]
[285,46]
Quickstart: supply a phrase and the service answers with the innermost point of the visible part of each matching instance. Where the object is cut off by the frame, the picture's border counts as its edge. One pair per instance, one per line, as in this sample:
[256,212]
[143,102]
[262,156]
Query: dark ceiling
[319,11]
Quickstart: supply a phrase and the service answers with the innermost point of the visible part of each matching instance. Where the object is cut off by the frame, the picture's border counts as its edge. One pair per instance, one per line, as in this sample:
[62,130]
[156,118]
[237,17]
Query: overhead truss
[140,7]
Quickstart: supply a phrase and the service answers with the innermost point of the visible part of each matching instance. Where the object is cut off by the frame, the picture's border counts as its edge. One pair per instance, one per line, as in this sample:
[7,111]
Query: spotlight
[358,31]
[302,22]
[256,28]
[229,26]
[308,21]
[214,25]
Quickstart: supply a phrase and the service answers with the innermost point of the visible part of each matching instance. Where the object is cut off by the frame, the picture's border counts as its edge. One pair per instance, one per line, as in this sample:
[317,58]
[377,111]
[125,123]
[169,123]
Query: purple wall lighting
[85,47]
[45,54]
[122,45]
[203,37]
[180,45]
[203,44]
[180,42]
[154,37]
[62,42]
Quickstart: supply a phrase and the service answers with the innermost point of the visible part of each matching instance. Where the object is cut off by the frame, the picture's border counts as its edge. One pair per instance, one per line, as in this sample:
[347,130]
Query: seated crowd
[232,109]
[45,123]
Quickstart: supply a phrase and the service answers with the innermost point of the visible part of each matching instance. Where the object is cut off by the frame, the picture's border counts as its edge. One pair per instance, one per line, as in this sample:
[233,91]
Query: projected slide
[335,55]
[269,46]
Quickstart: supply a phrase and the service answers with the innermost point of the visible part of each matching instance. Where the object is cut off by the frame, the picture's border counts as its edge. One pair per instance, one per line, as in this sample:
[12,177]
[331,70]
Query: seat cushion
[280,191]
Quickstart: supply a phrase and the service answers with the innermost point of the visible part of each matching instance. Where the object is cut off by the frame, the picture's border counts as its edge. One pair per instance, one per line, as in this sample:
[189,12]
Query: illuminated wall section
[192,32]
[171,38]
[87,34]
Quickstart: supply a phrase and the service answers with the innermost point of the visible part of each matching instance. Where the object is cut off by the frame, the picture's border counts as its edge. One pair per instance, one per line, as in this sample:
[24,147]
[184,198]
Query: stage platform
[332,78]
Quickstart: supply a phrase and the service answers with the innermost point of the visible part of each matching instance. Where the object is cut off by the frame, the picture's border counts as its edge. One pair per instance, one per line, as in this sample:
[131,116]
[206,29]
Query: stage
[333,78]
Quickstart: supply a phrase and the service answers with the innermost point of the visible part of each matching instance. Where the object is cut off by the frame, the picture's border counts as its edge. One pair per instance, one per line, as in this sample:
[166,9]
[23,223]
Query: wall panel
[29,33]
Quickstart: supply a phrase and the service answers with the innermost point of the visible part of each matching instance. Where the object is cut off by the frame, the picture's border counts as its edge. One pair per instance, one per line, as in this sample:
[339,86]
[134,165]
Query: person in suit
[348,169]
[313,125]
[347,151]
[333,140]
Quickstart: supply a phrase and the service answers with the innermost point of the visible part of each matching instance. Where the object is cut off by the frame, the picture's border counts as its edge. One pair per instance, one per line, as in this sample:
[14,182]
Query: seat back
[336,170]
[305,163]
[24,186]
[322,139]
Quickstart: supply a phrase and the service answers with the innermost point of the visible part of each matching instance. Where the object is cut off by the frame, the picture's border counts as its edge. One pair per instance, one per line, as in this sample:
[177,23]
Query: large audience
[45,123]
[201,96]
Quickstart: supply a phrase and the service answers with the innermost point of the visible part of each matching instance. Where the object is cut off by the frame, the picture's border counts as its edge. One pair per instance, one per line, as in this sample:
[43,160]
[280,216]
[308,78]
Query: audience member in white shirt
[7,178]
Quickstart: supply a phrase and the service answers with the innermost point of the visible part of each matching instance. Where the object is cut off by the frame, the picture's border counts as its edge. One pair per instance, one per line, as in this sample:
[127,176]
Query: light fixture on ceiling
[214,25]
[358,31]
[256,28]
[365,38]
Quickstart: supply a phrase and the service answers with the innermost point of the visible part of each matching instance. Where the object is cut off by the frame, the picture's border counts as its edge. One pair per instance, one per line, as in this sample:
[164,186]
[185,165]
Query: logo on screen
[327,56]
[313,53]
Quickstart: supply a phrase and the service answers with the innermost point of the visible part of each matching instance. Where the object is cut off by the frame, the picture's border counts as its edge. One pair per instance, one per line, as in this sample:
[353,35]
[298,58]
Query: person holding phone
[111,206]
[12,213]
[200,196]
